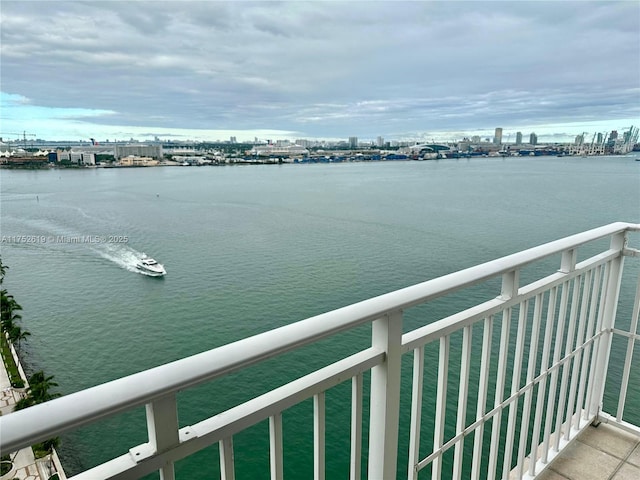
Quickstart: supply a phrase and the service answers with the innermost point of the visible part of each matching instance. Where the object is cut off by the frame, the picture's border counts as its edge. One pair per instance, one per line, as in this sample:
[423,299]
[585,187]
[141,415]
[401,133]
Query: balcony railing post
[510,284]
[227,467]
[162,426]
[385,398]
[568,261]
[614,279]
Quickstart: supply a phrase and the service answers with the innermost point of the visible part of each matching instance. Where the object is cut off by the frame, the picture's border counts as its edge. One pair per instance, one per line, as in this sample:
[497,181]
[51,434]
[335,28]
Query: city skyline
[401,71]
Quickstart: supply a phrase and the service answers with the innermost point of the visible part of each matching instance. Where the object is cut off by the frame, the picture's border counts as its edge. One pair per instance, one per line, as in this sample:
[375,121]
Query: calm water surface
[251,248]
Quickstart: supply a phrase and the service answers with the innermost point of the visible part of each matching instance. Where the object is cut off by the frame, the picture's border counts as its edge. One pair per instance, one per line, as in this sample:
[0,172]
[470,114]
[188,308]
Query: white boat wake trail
[62,237]
[122,255]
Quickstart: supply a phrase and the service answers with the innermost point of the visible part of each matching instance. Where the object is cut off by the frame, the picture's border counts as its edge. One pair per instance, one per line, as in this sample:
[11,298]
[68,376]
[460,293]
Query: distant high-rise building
[519,138]
[475,139]
[600,138]
[613,135]
[232,140]
[380,141]
[533,139]
[353,142]
[579,140]
[497,138]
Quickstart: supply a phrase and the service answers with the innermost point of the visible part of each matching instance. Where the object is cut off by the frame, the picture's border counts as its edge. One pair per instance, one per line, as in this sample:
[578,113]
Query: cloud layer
[318,69]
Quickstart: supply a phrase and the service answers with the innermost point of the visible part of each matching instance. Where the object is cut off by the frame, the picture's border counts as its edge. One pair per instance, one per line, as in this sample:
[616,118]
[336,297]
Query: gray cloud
[325,68]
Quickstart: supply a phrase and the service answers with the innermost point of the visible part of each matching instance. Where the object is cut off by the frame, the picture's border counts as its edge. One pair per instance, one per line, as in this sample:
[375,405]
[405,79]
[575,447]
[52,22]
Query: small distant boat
[150,267]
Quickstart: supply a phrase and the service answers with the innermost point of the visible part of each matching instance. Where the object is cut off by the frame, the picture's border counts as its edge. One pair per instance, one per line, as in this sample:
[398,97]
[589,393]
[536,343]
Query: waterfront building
[497,137]
[153,151]
[519,138]
[353,142]
[533,139]
[134,161]
[278,151]
[380,142]
[79,158]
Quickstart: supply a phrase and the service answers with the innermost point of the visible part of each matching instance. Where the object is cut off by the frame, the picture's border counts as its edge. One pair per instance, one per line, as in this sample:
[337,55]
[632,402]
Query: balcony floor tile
[599,453]
[627,472]
[582,461]
[610,440]
[634,458]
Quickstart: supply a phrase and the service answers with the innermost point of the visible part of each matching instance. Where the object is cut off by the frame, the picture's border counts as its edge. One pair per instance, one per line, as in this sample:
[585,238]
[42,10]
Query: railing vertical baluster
[510,285]
[385,397]
[531,367]
[515,385]
[441,404]
[553,379]
[162,427]
[618,242]
[544,362]
[416,412]
[227,468]
[356,427]
[633,329]
[577,360]
[275,447]
[584,372]
[567,365]
[483,385]
[591,385]
[319,436]
[463,391]
[499,393]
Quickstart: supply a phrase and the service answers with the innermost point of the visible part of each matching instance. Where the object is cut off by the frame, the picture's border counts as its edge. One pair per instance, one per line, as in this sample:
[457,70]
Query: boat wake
[123,256]
[61,238]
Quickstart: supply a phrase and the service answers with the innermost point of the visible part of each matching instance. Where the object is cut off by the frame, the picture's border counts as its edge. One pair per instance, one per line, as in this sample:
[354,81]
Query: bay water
[251,248]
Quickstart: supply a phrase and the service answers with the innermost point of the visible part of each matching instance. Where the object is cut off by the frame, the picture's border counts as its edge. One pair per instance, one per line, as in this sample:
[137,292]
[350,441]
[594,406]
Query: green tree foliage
[40,385]
[38,391]
[9,319]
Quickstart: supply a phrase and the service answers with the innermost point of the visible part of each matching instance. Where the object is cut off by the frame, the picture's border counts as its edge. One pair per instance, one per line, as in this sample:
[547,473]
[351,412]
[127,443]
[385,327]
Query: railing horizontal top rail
[80,408]
[458,320]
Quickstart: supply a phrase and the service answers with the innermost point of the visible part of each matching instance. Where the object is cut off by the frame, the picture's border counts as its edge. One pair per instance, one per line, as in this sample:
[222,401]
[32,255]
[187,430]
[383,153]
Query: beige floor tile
[609,439]
[634,458]
[627,472]
[582,462]
[549,474]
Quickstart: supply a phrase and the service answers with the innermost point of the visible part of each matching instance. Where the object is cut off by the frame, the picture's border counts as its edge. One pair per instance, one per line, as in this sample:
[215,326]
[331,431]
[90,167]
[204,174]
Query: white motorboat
[150,267]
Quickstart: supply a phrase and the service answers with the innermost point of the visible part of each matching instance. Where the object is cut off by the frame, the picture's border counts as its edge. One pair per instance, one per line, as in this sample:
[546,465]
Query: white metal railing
[526,371]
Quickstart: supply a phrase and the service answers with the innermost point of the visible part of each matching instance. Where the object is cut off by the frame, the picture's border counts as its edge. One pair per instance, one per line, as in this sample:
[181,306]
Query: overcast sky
[402,70]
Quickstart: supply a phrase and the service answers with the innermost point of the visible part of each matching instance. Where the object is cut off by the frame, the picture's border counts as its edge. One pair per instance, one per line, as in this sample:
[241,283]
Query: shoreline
[298,161]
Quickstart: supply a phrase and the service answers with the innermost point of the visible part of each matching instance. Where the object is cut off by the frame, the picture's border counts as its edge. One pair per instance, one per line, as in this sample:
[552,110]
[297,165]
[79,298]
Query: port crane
[24,136]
